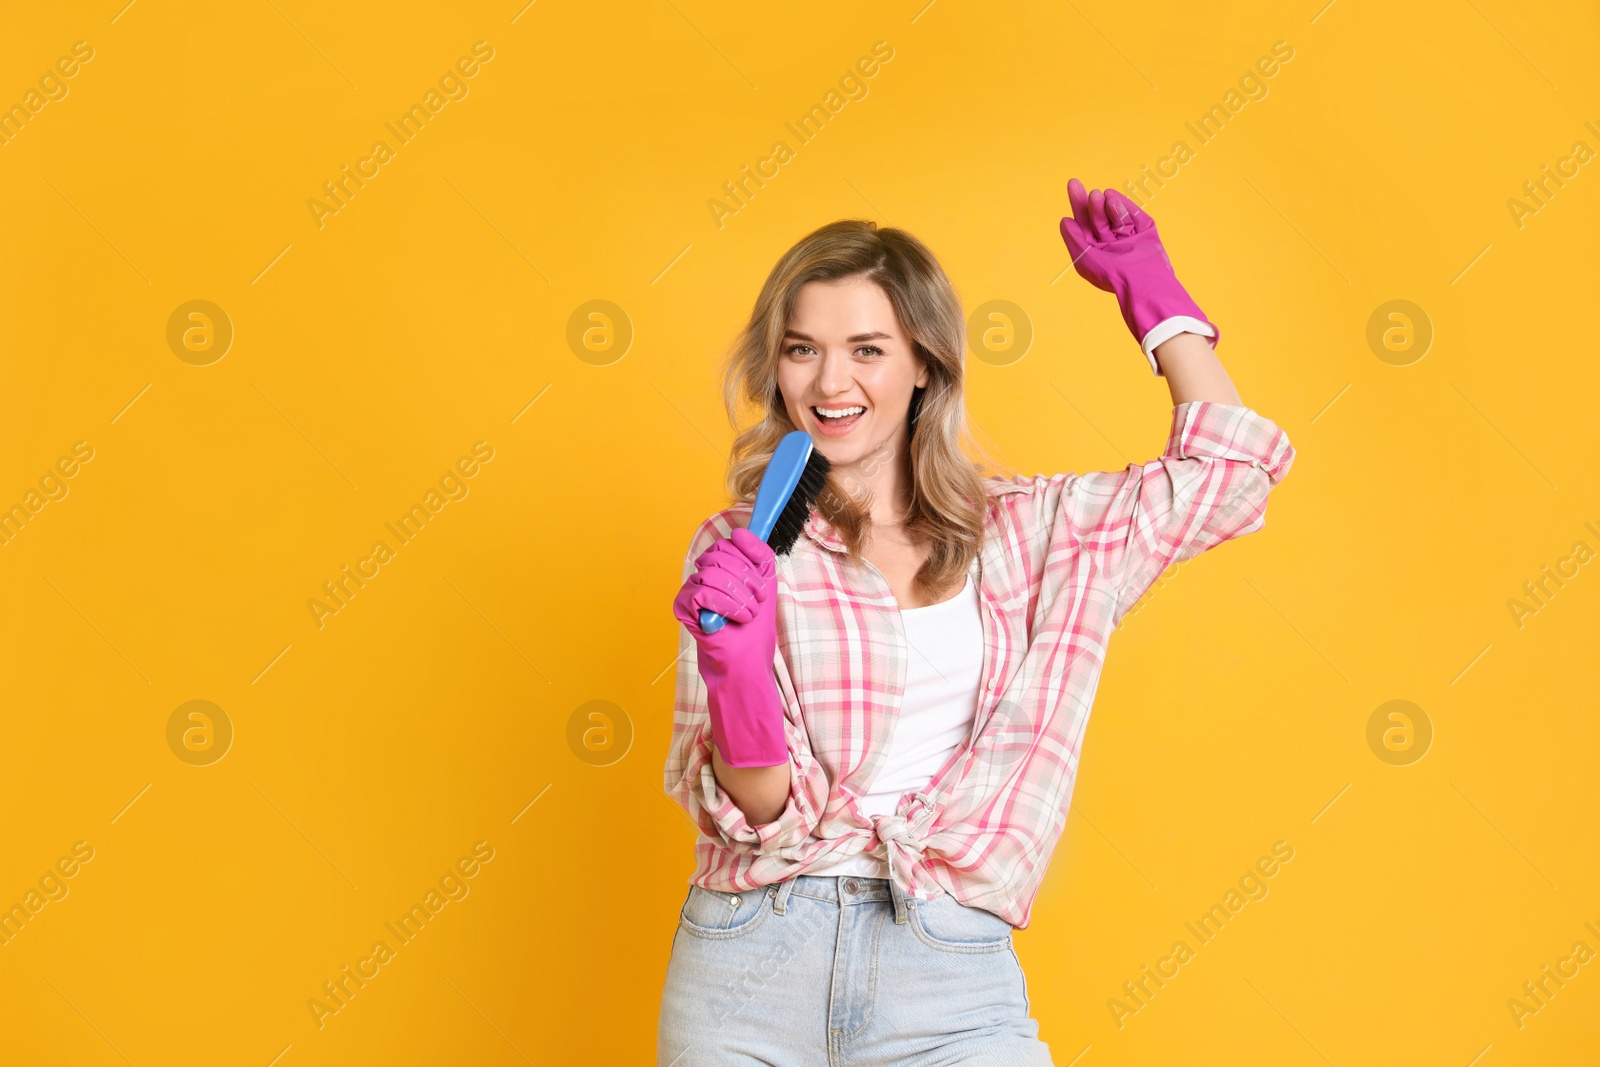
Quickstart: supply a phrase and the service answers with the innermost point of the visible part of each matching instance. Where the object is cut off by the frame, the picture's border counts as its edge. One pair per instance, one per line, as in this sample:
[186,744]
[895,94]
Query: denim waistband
[842,889]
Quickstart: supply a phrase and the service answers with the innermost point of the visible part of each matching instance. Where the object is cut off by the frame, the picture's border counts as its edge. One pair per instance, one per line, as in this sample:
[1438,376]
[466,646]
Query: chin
[846,457]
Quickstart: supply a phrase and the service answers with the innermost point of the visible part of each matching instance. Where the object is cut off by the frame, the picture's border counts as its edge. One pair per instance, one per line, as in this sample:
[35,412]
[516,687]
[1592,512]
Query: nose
[834,373]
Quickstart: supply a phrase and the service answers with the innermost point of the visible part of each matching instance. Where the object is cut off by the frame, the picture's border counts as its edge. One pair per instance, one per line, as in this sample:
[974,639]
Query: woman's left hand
[1115,247]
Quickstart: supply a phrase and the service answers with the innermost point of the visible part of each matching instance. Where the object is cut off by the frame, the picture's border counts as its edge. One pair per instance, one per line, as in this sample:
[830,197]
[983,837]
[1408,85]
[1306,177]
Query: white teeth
[840,413]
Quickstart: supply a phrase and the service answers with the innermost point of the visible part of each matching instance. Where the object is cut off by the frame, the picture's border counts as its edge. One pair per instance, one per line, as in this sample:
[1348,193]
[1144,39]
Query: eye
[791,350]
[872,350]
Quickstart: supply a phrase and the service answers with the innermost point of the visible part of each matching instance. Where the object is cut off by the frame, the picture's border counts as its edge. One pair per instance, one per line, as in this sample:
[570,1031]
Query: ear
[922,375]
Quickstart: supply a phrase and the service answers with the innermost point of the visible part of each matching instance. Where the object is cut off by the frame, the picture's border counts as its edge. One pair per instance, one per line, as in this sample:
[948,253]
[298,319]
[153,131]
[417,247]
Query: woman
[880,746]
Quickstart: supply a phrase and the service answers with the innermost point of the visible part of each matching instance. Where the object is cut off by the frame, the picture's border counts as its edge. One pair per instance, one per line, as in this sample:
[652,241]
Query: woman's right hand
[737,577]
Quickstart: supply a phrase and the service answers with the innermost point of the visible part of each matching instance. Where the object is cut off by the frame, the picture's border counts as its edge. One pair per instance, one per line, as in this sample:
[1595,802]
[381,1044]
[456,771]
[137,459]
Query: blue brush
[791,483]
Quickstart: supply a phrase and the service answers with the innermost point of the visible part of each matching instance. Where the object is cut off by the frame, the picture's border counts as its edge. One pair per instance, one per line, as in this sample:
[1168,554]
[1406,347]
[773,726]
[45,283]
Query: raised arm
[1211,481]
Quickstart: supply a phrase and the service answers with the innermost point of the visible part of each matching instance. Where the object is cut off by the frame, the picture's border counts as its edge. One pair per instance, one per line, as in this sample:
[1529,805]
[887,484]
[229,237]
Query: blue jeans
[842,971]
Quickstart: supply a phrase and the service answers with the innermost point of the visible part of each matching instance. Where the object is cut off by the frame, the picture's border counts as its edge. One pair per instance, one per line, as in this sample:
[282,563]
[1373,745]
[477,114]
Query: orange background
[435,710]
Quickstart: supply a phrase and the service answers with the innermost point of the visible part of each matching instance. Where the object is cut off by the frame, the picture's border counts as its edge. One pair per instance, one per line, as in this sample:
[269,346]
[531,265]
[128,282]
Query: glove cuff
[1170,328]
[747,720]
[1152,300]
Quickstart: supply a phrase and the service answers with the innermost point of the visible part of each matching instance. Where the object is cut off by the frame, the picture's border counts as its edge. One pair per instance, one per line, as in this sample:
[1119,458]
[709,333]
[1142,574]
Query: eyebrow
[874,336]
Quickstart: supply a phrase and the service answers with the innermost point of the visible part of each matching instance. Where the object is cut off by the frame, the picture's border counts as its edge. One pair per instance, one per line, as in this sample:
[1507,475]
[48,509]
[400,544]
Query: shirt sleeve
[689,779]
[1209,485]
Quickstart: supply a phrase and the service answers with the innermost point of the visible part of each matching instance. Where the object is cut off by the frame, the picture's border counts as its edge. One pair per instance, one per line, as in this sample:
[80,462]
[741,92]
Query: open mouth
[838,420]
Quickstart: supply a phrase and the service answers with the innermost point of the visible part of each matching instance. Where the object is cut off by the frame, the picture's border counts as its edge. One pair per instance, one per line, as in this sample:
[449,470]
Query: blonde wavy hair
[950,459]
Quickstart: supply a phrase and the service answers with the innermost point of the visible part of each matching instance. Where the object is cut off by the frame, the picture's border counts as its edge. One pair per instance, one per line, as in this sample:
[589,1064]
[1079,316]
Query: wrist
[746,711]
[1168,329]
[747,726]
[737,671]
[1157,308]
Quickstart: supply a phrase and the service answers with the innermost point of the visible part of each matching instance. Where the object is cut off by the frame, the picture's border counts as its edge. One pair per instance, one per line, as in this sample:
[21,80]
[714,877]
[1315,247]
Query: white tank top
[944,664]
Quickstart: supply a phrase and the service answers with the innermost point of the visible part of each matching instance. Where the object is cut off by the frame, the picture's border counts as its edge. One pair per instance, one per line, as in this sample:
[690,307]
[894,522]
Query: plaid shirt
[1064,557]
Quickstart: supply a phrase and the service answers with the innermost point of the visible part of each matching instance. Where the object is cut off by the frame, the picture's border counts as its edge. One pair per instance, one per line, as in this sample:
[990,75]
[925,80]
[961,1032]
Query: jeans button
[851,885]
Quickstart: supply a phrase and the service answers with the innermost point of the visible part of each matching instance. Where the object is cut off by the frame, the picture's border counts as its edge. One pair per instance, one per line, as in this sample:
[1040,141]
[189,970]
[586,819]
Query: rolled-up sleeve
[689,778]
[1209,485]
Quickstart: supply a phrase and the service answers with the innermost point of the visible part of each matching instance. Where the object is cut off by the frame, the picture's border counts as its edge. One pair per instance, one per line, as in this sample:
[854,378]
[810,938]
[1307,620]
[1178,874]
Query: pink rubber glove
[1114,245]
[737,577]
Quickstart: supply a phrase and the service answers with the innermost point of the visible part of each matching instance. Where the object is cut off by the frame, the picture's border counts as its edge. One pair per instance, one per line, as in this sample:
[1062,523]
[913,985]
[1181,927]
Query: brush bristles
[786,531]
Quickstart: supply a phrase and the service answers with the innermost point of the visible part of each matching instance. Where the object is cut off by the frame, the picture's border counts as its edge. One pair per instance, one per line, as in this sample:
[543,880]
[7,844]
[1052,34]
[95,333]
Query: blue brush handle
[778,483]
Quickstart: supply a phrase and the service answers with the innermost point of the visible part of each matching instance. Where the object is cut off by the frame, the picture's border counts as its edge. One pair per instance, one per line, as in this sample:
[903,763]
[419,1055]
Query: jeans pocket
[721,916]
[947,924]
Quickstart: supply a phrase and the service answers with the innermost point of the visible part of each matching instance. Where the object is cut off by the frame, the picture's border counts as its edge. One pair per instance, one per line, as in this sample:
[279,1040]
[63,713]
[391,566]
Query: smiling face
[846,370]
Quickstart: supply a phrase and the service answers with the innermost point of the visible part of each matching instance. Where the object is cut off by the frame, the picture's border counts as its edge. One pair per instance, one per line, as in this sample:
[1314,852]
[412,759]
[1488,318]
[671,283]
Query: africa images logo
[452,86]
[453,885]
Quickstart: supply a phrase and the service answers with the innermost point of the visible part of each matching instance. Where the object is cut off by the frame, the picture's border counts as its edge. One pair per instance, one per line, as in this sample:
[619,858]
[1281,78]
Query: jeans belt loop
[899,897]
[781,897]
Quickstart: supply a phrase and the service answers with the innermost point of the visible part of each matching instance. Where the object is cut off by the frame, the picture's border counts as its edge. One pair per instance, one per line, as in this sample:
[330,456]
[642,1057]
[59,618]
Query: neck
[884,475]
